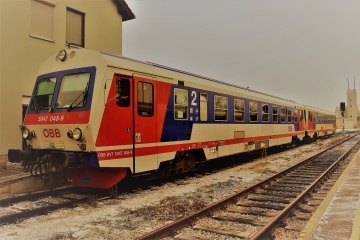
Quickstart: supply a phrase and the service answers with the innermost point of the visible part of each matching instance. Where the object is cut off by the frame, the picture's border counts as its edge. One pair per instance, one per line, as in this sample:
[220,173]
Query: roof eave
[124,10]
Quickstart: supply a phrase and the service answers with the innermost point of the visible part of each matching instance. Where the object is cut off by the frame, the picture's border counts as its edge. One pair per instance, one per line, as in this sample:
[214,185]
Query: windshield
[44,94]
[73,91]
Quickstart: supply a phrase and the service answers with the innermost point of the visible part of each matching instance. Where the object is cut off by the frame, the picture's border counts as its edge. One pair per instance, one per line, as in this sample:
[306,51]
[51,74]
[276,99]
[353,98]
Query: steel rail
[31,196]
[187,220]
[12,218]
[277,219]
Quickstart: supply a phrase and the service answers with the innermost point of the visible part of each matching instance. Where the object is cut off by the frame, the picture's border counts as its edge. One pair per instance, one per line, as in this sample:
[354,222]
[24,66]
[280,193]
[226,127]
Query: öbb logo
[52,133]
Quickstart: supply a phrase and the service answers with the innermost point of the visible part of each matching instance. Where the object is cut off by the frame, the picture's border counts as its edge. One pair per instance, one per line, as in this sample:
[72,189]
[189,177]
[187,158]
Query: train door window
[203,107]
[221,108]
[275,114]
[180,104]
[301,115]
[283,114]
[75,27]
[265,113]
[289,115]
[253,110]
[145,99]
[43,96]
[122,92]
[42,20]
[239,110]
[295,116]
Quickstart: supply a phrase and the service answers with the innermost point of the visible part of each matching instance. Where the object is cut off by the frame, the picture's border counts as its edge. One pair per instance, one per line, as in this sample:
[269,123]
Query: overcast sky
[302,50]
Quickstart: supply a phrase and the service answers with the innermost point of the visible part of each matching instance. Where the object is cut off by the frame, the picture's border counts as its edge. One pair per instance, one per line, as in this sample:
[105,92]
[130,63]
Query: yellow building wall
[21,55]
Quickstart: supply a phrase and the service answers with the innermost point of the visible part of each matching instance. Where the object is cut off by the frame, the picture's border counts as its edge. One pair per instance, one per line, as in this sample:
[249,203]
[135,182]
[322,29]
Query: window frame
[218,108]
[265,113]
[203,107]
[275,114]
[38,17]
[289,115]
[240,111]
[176,104]
[150,104]
[252,113]
[283,114]
[118,94]
[82,15]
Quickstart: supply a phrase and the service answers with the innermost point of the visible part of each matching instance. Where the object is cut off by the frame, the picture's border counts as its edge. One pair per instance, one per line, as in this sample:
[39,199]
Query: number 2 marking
[194,96]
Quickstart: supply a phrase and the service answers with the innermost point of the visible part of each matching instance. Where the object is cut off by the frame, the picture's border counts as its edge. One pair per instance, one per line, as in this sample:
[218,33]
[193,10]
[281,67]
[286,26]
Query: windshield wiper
[84,94]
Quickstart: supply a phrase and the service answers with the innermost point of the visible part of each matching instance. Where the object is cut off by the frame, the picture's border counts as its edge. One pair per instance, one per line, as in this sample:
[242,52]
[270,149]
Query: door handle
[137,137]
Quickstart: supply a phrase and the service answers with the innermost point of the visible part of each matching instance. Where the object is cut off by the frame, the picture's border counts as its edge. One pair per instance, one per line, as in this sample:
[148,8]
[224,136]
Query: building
[33,30]
[351,118]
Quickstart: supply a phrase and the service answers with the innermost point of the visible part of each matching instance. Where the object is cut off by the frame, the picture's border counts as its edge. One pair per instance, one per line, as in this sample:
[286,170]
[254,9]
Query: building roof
[124,10]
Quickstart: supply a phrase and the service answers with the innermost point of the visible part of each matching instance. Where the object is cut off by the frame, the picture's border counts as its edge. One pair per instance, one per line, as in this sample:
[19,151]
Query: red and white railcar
[98,117]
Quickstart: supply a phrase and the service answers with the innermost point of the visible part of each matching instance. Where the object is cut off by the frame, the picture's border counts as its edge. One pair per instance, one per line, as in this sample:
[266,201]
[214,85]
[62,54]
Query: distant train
[97,117]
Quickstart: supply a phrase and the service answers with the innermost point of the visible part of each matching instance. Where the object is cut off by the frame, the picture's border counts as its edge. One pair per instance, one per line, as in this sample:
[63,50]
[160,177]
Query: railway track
[23,207]
[268,209]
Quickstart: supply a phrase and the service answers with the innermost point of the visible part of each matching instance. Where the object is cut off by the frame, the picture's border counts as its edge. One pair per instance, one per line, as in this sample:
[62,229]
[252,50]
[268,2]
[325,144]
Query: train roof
[198,76]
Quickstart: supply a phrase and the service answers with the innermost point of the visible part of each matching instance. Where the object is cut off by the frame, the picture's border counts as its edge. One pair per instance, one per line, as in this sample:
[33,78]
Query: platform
[338,216]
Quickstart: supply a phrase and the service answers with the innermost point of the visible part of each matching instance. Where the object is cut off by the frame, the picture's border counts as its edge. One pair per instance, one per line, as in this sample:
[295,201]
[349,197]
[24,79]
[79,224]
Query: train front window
[73,91]
[43,95]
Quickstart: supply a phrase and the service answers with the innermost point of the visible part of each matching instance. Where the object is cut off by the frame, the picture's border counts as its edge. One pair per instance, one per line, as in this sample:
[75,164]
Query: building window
[203,107]
[145,99]
[180,104]
[253,109]
[265,113]
[239,110]
[221,107]
[42,20]
[75,27]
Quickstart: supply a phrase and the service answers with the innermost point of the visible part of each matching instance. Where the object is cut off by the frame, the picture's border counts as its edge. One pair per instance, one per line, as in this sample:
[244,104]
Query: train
[98,118]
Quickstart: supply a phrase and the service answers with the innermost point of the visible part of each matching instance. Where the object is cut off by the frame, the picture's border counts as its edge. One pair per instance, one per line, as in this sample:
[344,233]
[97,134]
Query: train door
[145,125]
[301,117]
[116,124]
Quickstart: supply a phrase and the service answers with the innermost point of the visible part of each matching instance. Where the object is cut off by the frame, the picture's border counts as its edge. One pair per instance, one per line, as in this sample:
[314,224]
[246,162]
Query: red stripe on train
[57,118]
[144,151]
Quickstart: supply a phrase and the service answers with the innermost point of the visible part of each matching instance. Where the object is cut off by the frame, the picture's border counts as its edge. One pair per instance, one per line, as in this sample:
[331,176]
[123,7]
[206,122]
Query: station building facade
[351,118]
[33,30]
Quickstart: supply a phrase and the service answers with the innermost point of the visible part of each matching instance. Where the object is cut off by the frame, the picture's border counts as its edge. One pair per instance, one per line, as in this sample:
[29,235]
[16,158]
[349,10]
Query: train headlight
[62,55]
[77,134]
[26,133]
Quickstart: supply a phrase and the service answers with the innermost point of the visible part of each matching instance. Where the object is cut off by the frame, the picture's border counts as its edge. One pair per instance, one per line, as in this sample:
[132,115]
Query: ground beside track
[133,214]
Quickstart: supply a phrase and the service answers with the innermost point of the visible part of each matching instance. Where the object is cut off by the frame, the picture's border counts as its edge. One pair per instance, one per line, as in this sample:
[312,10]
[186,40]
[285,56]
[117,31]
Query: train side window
[239,110]
[253,110]
[221,108]
[180,104]
[295,116]
[145,99]
[283,114]
[275,114]
[122,92]
[289,115]
[203,107]
[265,113]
